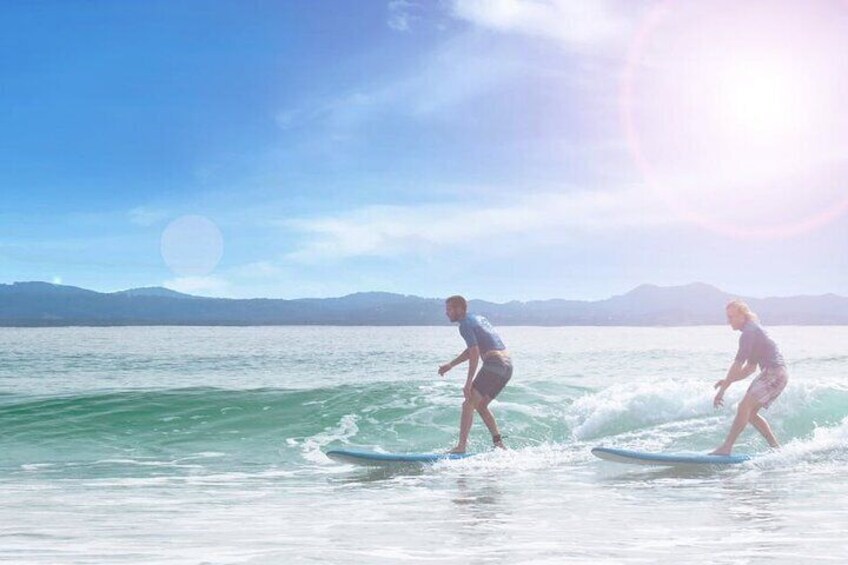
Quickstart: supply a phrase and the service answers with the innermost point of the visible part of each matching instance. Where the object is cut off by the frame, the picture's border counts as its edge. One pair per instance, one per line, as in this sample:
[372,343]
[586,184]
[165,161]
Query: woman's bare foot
[457,450]
[720,451]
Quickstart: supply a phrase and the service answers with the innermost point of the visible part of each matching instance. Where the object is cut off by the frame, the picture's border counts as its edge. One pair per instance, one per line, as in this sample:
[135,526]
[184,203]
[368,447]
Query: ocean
[206,445]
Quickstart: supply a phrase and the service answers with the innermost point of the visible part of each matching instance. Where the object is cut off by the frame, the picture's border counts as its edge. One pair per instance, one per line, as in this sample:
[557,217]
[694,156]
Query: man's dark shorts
[493,376]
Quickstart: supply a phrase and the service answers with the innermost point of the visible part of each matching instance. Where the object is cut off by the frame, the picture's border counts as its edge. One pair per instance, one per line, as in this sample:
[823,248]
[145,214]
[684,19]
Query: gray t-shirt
[755,346]
[476,330]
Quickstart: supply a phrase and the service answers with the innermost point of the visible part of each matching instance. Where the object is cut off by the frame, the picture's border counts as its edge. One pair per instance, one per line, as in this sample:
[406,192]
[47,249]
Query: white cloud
[468,66]
[573,23]
[395,230]
[200,286]
[457,71]
[401,14]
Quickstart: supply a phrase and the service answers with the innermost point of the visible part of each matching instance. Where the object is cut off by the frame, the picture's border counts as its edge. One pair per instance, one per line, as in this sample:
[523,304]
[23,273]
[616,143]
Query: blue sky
[504,149]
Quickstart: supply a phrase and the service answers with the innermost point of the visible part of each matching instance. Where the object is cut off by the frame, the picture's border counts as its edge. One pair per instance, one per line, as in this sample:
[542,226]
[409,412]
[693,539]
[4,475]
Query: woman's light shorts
[768,385]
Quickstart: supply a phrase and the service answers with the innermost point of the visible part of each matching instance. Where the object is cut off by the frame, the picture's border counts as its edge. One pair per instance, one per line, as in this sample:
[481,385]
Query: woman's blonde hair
[743,309]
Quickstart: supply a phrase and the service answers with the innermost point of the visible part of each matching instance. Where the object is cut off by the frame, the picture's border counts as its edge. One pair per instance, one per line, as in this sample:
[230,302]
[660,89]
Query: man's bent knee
[483,405]
[473,401]
[476,399]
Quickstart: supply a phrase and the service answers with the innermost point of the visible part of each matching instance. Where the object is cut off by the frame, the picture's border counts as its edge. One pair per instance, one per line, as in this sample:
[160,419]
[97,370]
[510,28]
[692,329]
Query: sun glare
[734,112]
[759,100]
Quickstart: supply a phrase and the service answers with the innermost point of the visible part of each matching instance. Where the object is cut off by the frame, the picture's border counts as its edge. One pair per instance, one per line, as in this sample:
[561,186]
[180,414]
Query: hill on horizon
[24,304]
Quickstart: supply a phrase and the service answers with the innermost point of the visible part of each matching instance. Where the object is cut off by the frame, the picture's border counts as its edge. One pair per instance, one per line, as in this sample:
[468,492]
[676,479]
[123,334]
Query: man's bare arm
[462,358]
[473,359]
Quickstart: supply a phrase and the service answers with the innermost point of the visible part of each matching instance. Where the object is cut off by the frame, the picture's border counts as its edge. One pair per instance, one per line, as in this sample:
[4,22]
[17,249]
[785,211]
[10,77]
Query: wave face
[645,388]
[244,428]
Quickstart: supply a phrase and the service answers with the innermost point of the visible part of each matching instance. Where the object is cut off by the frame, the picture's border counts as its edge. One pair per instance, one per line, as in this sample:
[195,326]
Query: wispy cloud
[397,230]
[456,72]
[401,14]
[466,66]
[575,24]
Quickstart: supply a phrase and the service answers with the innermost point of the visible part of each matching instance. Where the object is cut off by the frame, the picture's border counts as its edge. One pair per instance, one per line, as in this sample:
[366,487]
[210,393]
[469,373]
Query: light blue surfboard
[669,459]
[375,458]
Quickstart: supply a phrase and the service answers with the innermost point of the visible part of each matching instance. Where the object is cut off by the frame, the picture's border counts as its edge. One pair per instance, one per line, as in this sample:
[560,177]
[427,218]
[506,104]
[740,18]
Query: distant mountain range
[45,304]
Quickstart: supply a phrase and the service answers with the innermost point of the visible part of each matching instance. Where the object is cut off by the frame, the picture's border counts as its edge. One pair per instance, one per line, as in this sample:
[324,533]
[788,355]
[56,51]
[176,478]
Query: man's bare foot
[457,450]
[720,451]
[500,445]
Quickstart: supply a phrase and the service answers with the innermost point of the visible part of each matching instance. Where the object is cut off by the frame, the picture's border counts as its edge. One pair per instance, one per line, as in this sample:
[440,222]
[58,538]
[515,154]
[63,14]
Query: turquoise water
[205,445]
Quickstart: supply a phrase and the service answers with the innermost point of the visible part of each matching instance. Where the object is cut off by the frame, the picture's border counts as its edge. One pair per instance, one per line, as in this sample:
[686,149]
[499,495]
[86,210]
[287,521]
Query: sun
[759,98]
[734,112]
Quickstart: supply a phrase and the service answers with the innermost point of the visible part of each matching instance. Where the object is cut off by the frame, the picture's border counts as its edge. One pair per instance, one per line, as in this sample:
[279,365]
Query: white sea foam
[312,447]
[827,443]
[546,456]
[633,405]
[36,466]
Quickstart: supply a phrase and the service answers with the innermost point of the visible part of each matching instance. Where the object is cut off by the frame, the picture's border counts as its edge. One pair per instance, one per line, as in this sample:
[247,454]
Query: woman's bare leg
[763,427]
[747,407]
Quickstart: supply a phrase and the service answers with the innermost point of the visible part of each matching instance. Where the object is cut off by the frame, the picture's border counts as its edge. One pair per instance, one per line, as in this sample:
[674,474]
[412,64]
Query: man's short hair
[457,301]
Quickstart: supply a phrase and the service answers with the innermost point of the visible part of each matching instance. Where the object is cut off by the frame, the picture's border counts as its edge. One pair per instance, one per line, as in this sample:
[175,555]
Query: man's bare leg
[465,420]
[489,420]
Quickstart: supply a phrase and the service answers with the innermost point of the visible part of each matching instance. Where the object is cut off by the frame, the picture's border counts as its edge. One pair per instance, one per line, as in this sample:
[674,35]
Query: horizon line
[634,289]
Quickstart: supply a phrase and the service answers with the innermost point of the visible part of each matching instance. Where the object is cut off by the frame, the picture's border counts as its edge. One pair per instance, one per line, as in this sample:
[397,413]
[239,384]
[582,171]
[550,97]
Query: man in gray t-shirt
[482,343]
[756,348]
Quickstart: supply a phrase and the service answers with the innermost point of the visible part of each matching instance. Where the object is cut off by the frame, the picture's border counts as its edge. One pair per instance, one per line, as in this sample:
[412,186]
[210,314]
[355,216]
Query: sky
[500,149]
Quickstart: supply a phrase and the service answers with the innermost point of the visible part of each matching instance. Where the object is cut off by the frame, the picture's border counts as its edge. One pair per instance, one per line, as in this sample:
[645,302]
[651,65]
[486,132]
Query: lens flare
[192,246]
[734,113]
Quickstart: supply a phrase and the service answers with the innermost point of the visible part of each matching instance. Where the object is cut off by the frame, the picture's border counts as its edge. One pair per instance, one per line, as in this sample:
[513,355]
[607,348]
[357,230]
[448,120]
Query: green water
[205,445]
